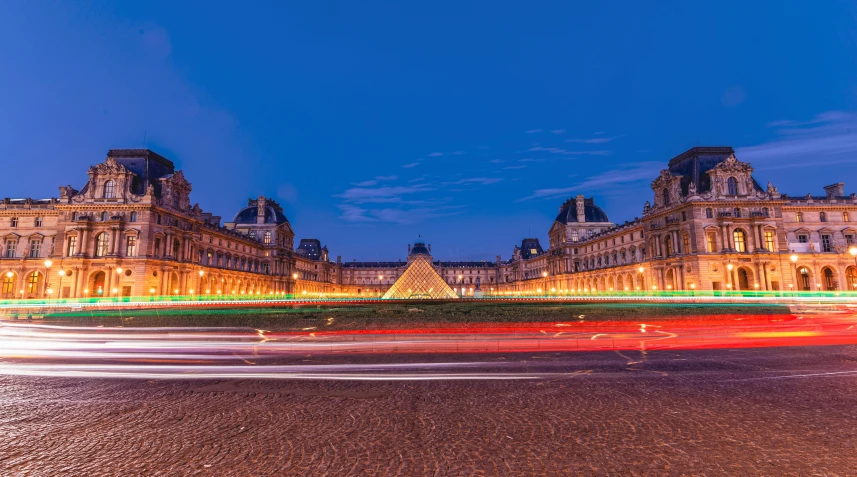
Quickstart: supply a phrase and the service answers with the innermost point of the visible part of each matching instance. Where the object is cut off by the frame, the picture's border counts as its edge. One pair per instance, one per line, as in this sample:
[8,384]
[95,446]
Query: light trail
[220,353]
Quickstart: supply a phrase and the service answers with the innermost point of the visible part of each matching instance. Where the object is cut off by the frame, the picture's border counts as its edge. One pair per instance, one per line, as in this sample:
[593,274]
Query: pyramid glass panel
[420,281]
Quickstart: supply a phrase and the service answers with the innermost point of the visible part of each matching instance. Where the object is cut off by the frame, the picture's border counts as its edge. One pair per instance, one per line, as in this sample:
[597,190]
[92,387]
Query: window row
[822,217]
[15,221]
[103,216]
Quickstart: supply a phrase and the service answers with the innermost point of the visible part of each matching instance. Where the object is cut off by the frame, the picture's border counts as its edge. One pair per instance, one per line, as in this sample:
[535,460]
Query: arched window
[708,213]
[666,194]
[829,281]
[731,186]
[851,277]
[109,190]
[740,240]
[101,243]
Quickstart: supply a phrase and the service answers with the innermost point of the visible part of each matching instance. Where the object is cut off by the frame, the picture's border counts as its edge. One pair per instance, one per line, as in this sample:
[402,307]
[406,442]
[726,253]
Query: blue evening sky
[466,122]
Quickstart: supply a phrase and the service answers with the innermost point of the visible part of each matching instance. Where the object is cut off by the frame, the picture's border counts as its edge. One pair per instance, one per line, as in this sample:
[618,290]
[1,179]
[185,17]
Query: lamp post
[794,258]
[729,267]
[545,276]
[48,264]
[61,274]
[380,277]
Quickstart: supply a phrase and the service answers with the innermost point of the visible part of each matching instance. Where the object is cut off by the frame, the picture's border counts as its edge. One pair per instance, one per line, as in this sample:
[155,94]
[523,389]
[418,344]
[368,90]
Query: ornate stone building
[132,230]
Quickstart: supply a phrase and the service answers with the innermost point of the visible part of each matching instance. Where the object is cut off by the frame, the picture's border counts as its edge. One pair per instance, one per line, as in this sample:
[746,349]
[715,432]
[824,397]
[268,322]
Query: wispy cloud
[435,154]
[593,140]
[359,194]
[477,180]
[534,131]
[351,213]
[496,161]
[386,178]
[410,165]
[558,131]
[630,173]
[364,183]
[566,152]
[514,167]
[828,138]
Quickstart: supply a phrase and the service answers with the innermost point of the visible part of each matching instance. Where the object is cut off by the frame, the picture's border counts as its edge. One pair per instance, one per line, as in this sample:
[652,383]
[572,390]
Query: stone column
[84,242]
[108,283]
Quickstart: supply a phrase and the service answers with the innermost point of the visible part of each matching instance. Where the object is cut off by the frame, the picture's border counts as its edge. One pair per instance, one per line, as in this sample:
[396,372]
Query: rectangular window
[157,246]
[14,222]
[825,243]
[10,248]
[72,245]
[267,237]
[769,240]
[38,221]
[711,242]
[803,238]
[822,217]
[846,217]
[798,216]
[131,246]
[849,239]
[35,248]
[685,241]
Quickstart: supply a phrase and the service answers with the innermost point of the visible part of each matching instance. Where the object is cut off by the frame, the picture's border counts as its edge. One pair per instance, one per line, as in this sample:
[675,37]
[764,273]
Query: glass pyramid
[420,281]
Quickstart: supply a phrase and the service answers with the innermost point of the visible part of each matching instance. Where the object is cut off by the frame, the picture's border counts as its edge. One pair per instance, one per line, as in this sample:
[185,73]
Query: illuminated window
[130,246]
[732,186]
[845,217]
[9,281]
[769,240]
[33,283]
[740,240]
[711,242]
[72,245]
[109,190]
[267,237]
[101,244]
[574,236]
[798,216]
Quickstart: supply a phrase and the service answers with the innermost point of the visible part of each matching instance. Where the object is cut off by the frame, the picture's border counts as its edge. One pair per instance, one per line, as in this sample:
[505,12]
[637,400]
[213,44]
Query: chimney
[835,190]
[260,210]
[581,212]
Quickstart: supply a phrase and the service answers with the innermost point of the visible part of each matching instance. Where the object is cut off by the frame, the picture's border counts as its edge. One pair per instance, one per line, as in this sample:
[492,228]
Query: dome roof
[591,212]
[420,248]
[247,215]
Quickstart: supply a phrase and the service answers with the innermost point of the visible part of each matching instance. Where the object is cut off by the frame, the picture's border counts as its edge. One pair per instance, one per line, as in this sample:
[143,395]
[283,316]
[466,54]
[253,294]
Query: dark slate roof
[148,166]
[311,248]
[529,244]
[480,264]
[419,248]
[693,165]
[591,212]
[247,215]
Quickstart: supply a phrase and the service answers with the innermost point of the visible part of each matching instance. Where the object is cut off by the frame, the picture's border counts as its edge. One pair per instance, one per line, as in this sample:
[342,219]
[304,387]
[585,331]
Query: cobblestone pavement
[775,411]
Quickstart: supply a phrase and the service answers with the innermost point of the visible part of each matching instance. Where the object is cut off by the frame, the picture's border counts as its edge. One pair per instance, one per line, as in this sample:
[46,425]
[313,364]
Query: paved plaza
[770,411]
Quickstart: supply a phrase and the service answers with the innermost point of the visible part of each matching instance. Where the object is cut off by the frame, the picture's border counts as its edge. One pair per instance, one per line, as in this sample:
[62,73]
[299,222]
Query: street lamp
[201,273]
[642,284]
[545,276]
[61,274]
[48,264]
[794,258]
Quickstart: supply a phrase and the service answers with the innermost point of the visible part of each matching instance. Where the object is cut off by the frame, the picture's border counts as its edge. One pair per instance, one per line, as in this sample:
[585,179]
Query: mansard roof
[693,166]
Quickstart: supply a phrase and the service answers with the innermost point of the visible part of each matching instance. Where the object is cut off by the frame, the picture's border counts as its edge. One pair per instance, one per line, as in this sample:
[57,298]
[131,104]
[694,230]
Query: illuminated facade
[132,230]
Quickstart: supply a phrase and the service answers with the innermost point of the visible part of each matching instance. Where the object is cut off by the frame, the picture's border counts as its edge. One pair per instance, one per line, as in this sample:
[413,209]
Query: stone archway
[173,287]
[851,278]
[744,278]
[669,280]
[828,279]
[804,278]
[97,283]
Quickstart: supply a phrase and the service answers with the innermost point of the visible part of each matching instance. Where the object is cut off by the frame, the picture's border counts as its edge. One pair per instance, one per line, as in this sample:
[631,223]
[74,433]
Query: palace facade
[131,230]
